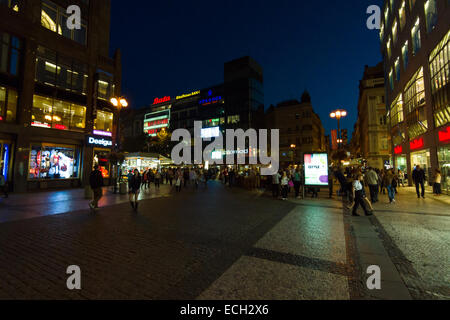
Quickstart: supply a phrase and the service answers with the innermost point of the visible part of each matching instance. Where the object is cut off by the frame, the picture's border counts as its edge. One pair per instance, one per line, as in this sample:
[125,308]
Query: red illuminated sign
[1,118]
[416,144]
[161,100]
[444,136]
[60,127]
[398,150]
[156,123]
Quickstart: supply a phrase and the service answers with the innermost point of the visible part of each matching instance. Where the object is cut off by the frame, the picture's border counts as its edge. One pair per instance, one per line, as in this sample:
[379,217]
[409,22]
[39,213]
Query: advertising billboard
[316,169]
[208,133]
[155,121]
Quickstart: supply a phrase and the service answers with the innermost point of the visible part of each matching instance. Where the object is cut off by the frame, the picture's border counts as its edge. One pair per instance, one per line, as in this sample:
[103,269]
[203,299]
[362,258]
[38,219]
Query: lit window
[382,32]
[104,121]
[430,14]
[402,15]
[405,55]
[415,35]
[394,31]
[391,79]
[8,104]
[397,69]
[389,48]
[396,113]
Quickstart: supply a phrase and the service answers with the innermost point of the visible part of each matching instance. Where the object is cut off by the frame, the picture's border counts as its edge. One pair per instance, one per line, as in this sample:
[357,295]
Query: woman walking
[437,182]
[284,186]
[359,195]
[135,186]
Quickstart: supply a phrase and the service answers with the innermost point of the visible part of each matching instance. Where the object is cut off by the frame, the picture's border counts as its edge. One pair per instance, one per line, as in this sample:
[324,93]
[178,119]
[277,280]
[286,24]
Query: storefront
[444,165]
[422,158]
[101,144]
[140,161]
[400,163]
[101,159]
[54,162]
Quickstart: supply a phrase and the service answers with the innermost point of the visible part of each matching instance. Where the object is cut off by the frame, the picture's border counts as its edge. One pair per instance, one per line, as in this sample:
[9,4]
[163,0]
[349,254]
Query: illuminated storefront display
[141,162]
[316,169]
[444,165]
[101,159]
[48,161]
[188,95]
[156,121]
[421,158]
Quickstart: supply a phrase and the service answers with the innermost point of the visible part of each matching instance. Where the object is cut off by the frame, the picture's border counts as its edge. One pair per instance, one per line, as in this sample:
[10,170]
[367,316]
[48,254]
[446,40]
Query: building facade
[415,46]
[56,120]
[301,129]
[370,139]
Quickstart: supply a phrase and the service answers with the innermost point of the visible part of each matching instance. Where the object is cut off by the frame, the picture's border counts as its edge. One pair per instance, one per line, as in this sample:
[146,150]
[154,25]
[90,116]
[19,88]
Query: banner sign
[316,169]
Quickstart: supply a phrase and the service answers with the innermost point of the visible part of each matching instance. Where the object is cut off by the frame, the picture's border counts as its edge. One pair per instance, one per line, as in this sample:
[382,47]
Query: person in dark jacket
[135,187]
[418,177]
[96,183]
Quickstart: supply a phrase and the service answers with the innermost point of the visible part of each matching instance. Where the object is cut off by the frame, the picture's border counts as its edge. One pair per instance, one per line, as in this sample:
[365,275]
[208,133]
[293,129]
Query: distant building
[301,130]
[415,42]
[370,140]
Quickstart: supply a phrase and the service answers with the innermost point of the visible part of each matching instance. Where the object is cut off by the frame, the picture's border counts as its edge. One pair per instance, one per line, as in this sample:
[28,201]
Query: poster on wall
[316,169]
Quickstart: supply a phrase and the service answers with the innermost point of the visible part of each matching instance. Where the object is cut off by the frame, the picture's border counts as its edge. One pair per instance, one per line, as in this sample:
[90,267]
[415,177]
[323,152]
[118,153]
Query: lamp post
[119,103]
[338,114]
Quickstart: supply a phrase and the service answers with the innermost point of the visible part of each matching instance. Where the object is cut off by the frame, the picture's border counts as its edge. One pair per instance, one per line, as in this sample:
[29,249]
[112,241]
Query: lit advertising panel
[316,169]
[154,122]
[208,133]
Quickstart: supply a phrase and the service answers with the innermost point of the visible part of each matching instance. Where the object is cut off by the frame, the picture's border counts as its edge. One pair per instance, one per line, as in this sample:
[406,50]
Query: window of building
[54,18]
[104,121]
[395,31]
[56,70]
[440,74]
[8,104]
[430,14]
[415,92]
[391,79]
[396,112]
[386,14]
[10,48]
[234,119]
[105,85]
[382,31]
[411,4]
[48,161]
[402,15]
[307,140]
[405,55]
[397,69]
[415,35]
[389,47]
[392,4]
[13,4]
[57,114]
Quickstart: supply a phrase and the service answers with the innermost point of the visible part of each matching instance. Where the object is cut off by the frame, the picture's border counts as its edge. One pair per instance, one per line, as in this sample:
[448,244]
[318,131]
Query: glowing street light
[338,114]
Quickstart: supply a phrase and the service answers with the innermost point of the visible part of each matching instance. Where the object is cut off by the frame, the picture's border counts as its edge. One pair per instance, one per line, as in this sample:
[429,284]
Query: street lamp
[338,114]
[119,103]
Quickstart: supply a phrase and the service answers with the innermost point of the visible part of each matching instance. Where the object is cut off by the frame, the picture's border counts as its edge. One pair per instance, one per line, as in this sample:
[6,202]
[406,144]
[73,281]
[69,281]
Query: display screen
[210,132]
[101,159]
[53,162]
[316,169]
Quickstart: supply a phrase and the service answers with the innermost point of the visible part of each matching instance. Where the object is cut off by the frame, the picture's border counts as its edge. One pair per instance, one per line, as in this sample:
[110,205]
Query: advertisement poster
[316,169]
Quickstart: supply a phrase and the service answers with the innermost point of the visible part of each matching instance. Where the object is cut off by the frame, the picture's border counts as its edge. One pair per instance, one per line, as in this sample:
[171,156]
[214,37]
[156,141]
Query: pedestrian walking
[284,186]
[437,182]
[371,178]
[157,179]
[358,196]
[418,177]
[297,182]
[401,178]
[178,180]
[96,183]
[3,184]
[388,182]
[193,178]
[170,175]
[135,186]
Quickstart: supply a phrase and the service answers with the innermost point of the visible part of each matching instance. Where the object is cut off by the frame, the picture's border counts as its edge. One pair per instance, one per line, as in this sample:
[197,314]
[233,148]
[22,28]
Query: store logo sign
[93,141]
[416,144]
[398,150]
[161,100]
[209,101]
[444,136]
[102,133]
[187,95]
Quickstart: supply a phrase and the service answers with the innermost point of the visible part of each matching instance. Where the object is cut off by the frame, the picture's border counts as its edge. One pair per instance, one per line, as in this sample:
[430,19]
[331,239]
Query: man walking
[418,177]
[372,181]
[96,182]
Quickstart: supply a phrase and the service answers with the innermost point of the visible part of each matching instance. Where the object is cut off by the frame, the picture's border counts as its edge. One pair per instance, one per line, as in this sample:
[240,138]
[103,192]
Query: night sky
[173,47]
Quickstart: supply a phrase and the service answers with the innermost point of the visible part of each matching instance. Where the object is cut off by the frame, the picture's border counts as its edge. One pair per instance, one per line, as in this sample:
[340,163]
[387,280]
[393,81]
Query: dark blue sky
[171,47]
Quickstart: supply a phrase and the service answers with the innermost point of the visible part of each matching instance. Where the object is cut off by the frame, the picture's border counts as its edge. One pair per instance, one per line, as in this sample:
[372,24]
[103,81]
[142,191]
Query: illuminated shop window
[104,121]
[405,55]
[440,74]
[8,104]
[54,18]
[53,162]
[415,35]
[57,114]
[430,14]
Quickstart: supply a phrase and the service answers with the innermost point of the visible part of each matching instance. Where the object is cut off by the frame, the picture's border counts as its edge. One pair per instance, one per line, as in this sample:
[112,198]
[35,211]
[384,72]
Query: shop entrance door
[422,158]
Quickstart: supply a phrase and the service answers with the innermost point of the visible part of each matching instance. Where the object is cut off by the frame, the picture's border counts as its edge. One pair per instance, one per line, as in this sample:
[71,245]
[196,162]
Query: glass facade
[54,18]
[8,104]
[422,158]
[415,35]
[104,121]
[430,14]
[397,111]
[444,166]
[10,48]
[57,114]
[56,70]
[105,85]
[405,55]
[440,89]
[48,161]
[417,122]
[402,15]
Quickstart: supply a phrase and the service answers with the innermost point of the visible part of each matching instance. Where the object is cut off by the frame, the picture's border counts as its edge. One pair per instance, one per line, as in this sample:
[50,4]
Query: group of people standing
[286,179]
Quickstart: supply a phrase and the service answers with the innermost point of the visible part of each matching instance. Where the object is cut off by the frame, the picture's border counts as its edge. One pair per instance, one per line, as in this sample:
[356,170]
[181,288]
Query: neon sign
[416,144]
[102,133]
[209,101]
[60,127]
[40,124]
[398,150]
[161,100]
[188,95]
[444,136]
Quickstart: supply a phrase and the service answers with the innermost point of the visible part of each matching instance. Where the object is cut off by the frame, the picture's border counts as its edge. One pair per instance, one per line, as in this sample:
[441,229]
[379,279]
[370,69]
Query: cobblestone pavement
[219,243]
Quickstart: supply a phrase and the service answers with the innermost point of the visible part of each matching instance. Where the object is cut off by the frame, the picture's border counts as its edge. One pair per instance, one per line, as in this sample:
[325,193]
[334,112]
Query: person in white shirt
[284,186]
[437,182]
[358,195]
[276,185]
